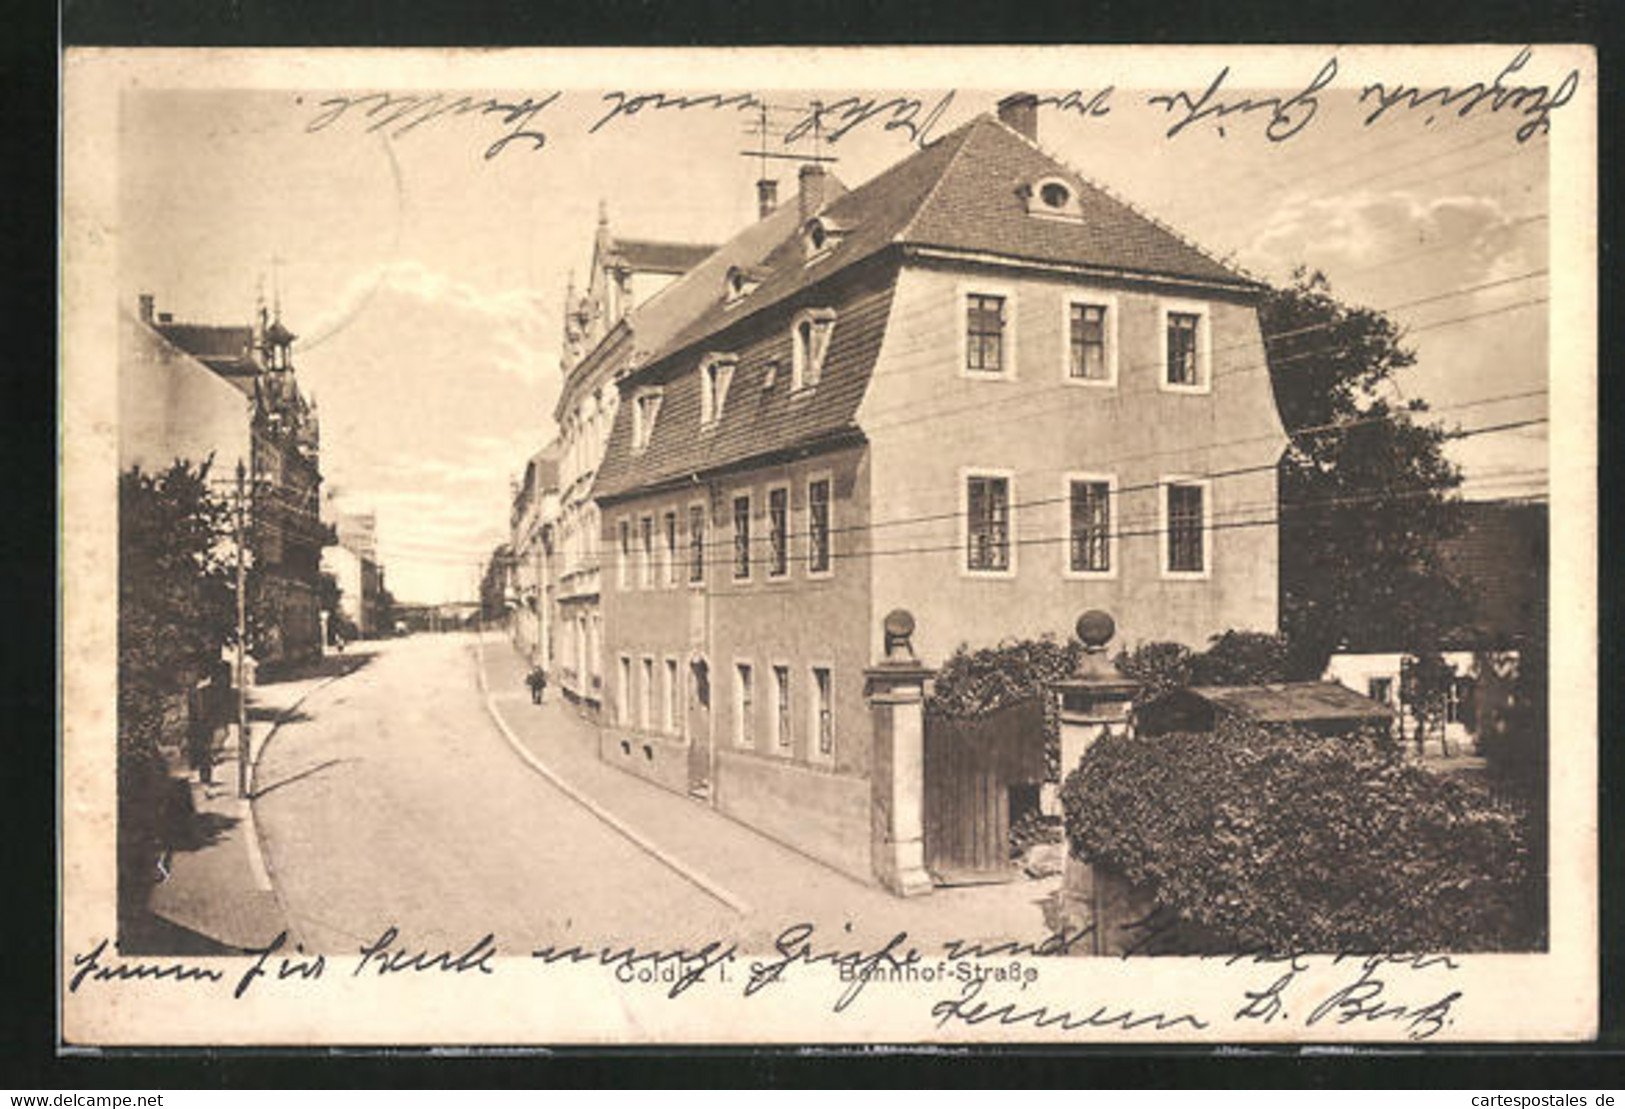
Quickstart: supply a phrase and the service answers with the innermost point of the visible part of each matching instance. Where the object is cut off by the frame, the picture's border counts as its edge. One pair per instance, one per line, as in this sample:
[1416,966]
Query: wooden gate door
[970,765]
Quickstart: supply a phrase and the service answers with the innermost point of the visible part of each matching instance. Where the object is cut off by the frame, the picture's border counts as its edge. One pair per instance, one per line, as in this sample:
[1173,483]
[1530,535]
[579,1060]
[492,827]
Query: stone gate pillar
[1095,703]
[896,693]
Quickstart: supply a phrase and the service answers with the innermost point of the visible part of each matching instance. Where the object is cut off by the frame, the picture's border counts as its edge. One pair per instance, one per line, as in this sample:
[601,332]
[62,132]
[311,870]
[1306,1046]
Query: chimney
[767,197]
[812,190]
[145,301]
[1019,112]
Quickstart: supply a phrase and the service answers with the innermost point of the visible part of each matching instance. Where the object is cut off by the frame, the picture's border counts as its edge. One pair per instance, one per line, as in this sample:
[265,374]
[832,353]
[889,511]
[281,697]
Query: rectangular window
[646,545]
[669,530]
[673,700]
[623,699]
[744,706]
[1087,340]
[781,707]
[987,531]
[623,558]
[984,333]
[1380,690]
[818,526]
[1187,552]
[1182,349]
[647,695]
[778,531]
[1091,527]
[823,713]
[742,537]
[696,543]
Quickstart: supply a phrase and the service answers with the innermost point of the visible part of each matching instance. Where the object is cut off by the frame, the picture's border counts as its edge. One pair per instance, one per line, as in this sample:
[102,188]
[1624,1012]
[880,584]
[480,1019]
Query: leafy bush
[1296,843]
[1231,658]
[176,609]
[974,683]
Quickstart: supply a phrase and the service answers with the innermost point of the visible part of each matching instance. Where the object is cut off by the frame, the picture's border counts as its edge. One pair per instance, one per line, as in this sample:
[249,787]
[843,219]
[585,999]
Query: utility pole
[242,636]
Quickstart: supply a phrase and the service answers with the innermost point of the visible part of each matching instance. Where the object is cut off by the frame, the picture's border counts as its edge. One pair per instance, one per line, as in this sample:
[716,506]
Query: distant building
[532,522]
[355,566]
[976,387]
[174,412]
[1500,560]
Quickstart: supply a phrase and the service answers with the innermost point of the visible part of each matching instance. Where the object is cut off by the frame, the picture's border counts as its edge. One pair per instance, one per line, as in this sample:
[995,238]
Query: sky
[426,281]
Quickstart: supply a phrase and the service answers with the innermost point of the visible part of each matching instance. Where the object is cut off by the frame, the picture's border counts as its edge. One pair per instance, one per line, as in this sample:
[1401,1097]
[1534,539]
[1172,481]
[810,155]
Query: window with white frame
[985,323]
[809,343]
[623,692]
[818,515]
[696,544]
[821,709]
[673,701]
[1091,349]
[744,705]
[646,549]
[645,408]
[623,556]
[782,734]
[1185,348]
[1185,529]
[778,531]
[646,695]
[987,523]
[741,508]
[1089,525]
[668,553]
[716,373]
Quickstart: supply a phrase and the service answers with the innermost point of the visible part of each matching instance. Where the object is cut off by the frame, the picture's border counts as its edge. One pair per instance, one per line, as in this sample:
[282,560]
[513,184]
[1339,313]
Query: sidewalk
[777,885]
[217,890]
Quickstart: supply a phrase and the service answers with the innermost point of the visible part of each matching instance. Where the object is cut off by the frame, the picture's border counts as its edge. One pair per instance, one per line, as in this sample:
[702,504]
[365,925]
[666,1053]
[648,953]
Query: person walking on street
[537,680]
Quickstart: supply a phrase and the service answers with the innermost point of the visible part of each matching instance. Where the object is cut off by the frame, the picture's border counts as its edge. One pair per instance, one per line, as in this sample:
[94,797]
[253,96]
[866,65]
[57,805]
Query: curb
[660,855]
[258,856]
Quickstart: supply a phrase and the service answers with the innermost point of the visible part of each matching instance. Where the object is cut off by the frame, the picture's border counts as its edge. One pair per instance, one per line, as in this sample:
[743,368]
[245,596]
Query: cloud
[1470,238]
[517,317]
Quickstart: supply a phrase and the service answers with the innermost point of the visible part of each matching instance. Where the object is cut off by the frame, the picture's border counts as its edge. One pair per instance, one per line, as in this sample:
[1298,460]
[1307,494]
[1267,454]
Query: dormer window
[819,236]
[809,343]
[716,373]
[1052,198]
[738,284]
[645,408]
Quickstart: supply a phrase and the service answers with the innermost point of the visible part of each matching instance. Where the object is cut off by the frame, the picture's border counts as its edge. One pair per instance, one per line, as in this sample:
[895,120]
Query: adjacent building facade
[977,388]
[176,412]
[353,561]
[606,331]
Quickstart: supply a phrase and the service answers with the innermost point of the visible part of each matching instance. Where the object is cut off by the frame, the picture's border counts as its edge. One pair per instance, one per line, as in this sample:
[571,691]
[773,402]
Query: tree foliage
[176,610]
[1231,658]
[1365,487]
[1292,842]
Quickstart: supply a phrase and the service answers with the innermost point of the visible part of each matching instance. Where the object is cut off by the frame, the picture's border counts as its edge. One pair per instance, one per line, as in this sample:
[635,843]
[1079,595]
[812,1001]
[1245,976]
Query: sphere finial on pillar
[899,631]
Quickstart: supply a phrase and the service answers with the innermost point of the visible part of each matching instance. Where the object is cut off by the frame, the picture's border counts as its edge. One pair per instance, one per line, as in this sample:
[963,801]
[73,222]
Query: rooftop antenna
[790,133]
[276,285]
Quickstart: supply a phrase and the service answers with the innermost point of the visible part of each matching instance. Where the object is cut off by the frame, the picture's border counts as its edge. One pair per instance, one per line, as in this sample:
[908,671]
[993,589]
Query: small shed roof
[1292,702]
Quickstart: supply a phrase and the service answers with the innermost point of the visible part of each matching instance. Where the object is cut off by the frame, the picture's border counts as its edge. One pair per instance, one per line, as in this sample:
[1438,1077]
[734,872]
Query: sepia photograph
[917,545]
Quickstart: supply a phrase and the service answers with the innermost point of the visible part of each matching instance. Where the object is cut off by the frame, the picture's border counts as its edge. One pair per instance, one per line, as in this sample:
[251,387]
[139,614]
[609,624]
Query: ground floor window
[823,712]
[781,707]
[646,700]
[623,692]
[744,705]
[674,705]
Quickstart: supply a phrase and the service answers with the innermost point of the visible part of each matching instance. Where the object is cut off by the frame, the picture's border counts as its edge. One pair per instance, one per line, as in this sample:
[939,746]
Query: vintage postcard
[920,546]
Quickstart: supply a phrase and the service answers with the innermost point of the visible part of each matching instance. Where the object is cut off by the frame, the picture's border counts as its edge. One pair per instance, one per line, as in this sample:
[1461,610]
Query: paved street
[390,797]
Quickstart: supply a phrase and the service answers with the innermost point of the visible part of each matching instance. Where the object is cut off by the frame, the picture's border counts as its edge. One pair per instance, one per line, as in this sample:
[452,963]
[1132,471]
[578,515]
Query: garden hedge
[1293,843]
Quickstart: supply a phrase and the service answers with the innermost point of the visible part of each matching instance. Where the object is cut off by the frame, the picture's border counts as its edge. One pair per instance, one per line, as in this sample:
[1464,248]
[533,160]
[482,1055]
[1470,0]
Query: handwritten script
[958,982]
[1217,102]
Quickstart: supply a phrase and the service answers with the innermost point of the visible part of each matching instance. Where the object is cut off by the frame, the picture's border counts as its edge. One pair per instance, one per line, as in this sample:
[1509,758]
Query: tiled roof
[1290,702]
[961,192]
[1500,559]
[653,324]
[225,349]
[652,256]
